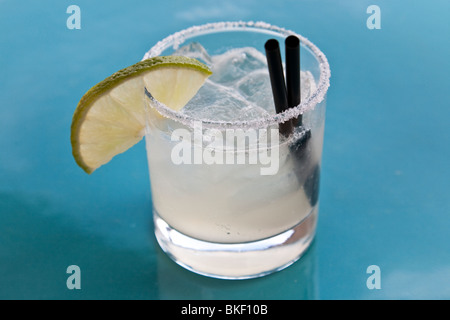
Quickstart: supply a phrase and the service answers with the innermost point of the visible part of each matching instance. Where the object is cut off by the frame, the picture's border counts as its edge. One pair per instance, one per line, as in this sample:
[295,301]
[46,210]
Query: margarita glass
[232,198]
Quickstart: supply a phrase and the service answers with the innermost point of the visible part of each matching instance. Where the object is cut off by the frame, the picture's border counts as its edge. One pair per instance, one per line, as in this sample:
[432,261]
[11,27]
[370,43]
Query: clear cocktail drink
[232,197]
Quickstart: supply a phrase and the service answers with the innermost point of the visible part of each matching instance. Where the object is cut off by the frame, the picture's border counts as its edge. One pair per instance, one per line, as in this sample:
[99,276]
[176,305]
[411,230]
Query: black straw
[292,44]
[277,81]
[307,170]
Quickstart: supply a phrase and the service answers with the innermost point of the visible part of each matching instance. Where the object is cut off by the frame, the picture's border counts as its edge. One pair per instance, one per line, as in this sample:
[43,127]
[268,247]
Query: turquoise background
[385,181]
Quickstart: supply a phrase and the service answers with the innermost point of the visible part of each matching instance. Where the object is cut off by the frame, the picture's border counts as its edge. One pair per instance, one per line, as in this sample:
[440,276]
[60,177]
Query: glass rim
[174,40]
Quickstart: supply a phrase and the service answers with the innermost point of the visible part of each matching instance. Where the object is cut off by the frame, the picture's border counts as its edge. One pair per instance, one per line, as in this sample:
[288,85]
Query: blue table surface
[385,181]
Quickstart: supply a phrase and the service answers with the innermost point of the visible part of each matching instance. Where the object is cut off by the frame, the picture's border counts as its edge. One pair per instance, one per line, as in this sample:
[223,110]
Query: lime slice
[110,117]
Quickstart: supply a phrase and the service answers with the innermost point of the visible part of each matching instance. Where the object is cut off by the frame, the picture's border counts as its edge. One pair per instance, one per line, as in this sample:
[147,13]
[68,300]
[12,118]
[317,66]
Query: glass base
[236,260]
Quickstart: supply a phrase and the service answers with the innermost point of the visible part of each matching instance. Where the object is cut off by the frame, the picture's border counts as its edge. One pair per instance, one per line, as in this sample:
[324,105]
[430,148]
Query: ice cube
[239,88]
[256,88]
[251,112]
[215,102]
[308,84]
[236,63]
[194,50]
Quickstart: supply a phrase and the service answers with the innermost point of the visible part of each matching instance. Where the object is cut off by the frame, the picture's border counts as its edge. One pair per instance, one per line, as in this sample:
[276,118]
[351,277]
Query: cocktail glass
[232,198]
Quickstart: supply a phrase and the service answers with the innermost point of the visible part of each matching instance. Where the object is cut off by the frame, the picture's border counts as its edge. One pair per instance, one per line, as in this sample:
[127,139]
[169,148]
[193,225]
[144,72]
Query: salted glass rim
[178,38]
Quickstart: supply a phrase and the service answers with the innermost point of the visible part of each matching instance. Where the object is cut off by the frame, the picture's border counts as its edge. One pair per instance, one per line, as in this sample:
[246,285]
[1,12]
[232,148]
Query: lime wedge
[110,117]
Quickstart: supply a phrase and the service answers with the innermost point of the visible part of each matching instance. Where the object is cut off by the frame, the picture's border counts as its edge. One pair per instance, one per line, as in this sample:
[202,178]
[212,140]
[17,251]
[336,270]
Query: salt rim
[180,37]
